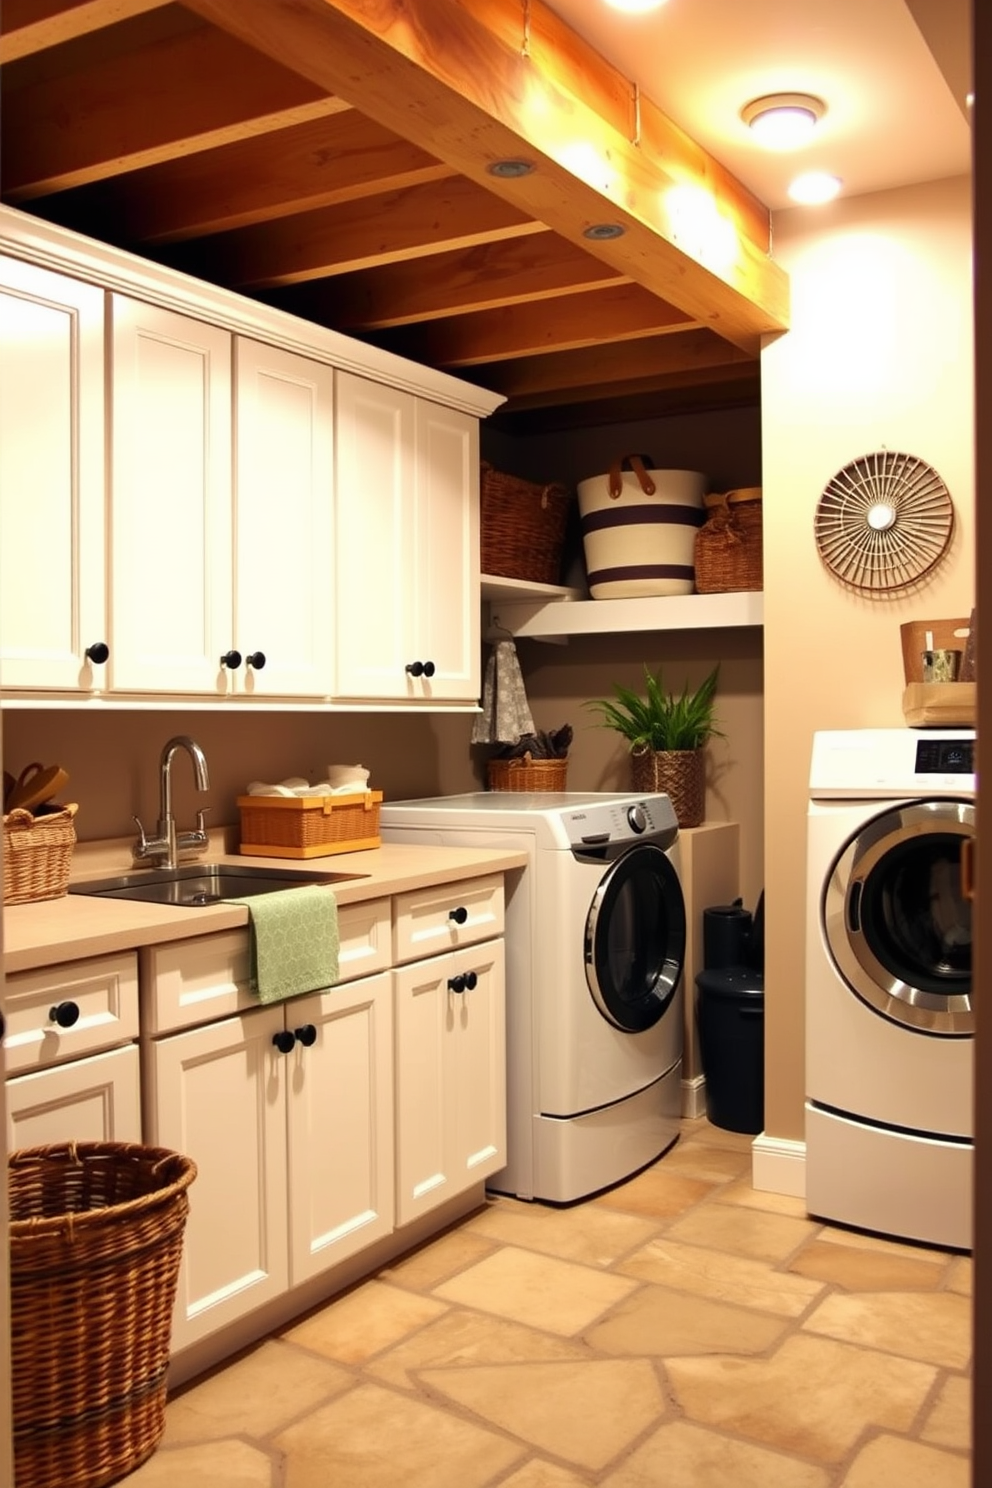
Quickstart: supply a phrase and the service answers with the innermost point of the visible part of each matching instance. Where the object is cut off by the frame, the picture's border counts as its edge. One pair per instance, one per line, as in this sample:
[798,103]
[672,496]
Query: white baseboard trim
[778,1165]
[694,1097]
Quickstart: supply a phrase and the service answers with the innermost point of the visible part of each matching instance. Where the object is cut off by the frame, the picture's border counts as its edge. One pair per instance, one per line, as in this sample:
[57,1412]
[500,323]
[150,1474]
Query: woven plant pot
[679,774]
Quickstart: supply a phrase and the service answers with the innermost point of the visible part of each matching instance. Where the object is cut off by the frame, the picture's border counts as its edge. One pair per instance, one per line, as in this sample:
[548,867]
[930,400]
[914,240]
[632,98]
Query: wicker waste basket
[526,774]
[96,1232]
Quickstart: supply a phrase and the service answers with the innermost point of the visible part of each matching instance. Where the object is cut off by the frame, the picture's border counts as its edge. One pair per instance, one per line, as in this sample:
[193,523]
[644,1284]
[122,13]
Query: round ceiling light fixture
[601,232]
[511,170]
[814,188]
[783,121]
[635,7]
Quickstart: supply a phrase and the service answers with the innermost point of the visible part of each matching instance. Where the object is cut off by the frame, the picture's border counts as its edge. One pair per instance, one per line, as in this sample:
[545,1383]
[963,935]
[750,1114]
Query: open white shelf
[512,590]
[566,614]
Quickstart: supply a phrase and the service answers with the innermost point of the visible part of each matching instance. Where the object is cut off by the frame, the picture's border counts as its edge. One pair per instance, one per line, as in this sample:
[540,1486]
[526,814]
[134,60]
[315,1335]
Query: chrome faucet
[164,848]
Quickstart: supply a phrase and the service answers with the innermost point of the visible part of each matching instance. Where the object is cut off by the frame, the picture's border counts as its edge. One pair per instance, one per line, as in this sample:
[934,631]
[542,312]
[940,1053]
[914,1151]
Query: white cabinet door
[85,1100]
[171,539]
[218,1095]
[284,561]
[406,500]
[51,480]
[450,1077]
[340,1124]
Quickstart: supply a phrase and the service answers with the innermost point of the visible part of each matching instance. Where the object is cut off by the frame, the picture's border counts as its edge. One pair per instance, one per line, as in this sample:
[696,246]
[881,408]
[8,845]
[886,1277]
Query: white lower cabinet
[287,1112]
[450,1076]
[87,1100]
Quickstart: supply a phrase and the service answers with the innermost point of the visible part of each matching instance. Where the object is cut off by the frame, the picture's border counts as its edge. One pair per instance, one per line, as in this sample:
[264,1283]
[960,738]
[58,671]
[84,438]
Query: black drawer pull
[307,1035]
[284,1040]
[459,915]
[65,1014]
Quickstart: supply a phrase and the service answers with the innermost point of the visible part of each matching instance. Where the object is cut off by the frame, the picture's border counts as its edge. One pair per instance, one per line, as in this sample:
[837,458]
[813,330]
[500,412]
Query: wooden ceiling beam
[31,26]
[433,72]
[139,108]
[616,313]
[339,157]
[626,402]
[512,271]
[415,222]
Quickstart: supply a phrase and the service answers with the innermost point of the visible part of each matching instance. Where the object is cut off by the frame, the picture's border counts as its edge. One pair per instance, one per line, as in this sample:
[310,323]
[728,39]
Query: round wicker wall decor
[883,521]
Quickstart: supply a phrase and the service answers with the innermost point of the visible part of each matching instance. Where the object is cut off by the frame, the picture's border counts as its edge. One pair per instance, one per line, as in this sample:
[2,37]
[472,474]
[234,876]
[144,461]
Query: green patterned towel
[294,941]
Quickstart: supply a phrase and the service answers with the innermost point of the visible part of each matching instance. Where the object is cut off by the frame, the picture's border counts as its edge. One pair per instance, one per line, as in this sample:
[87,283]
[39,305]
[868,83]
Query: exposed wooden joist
[30,26]
[415,222]
[434,73]
[510,272]
[56,138]
[623,403]
[617,313]
[336,158]
[686,355]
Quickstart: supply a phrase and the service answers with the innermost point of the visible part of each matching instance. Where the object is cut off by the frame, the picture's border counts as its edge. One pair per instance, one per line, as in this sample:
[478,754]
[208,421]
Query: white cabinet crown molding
[24,236]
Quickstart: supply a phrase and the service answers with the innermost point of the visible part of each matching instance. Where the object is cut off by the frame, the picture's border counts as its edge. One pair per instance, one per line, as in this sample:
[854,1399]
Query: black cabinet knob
[456,984]
[65,1014]
[284,1040]
[307,1035]
[459,915]
[231,659]
[421,668]
[255,659]
[98,652]
[471,981]
[429,669]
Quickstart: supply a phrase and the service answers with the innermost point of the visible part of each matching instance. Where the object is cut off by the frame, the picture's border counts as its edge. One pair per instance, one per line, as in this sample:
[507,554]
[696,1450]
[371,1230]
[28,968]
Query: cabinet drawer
[96,1099]
[99,996]
[192,981]
[429,921]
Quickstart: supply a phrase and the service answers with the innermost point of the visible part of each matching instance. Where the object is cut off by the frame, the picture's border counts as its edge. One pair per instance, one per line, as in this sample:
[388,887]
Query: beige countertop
[76,925]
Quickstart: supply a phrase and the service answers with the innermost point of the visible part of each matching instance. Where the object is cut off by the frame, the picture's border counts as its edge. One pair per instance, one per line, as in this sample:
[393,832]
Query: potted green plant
[666,734]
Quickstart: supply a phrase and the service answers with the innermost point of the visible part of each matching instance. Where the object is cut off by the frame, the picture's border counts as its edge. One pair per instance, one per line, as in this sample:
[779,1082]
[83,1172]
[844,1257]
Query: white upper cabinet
[52,608]
[284,529]
[407,544]
[171,537]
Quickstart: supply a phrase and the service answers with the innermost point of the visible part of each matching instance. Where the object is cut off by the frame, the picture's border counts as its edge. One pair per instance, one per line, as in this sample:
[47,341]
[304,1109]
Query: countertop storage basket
[37,854]
[729,549]
[523,526]
[309,826]
[96,1231]
[526,774]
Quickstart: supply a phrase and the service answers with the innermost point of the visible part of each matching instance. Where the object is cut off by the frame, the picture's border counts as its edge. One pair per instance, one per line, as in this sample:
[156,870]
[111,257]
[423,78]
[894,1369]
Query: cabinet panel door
[284,561]
[87,1100]
[424,1013]
[476,1066]
[340,1116]
[446,551]
[218,1094]
[51,478]
[373,497]
[170,549]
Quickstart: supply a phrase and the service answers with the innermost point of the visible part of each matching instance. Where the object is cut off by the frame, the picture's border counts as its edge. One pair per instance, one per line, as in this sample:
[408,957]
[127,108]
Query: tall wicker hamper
[96,1233]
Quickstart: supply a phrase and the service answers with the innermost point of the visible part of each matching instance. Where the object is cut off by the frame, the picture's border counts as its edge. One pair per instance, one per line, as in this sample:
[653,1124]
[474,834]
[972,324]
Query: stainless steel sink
[194,884]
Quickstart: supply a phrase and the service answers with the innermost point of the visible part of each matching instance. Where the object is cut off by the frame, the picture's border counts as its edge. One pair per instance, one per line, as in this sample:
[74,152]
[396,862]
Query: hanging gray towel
[505,713]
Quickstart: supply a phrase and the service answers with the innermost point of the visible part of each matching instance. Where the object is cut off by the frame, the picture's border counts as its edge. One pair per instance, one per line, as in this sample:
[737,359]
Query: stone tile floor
[678,1331]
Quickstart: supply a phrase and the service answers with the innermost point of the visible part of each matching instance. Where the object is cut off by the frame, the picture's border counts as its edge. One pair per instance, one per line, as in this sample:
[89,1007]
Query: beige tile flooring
[679,1331]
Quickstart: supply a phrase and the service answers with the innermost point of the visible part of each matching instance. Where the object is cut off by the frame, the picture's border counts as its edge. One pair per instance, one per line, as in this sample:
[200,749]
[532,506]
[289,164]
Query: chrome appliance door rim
[918,1008]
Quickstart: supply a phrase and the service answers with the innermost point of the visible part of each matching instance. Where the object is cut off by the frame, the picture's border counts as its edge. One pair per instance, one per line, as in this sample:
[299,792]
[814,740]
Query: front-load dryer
[595,946]
[889,1008]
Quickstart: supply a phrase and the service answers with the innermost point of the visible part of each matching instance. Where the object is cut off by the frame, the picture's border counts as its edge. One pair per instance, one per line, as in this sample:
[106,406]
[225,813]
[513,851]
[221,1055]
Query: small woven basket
[677,773]
[309,826]
[728,551]
[526,774]
[96,1232]
[37,854]
[523,526]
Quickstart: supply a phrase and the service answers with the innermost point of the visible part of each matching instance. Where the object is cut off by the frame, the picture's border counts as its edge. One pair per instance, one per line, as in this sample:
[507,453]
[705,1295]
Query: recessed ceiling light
[601,231]
[510,170]
[814,188]
[783,121]
[635,7]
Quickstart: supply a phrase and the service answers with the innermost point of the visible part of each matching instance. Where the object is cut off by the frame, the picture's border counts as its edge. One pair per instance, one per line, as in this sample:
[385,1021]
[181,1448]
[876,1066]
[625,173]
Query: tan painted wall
[879,356]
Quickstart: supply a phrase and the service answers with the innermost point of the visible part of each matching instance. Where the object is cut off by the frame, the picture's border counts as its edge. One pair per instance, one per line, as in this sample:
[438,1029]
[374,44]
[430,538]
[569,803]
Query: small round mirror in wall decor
[883,522]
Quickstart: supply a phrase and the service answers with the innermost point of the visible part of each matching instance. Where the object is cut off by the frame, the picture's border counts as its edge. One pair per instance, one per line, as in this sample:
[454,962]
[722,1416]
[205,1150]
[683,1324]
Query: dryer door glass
[635,939]
[897,918]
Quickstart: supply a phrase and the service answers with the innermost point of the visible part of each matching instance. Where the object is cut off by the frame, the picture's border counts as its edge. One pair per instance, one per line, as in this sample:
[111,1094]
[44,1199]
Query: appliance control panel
[606,828]
[945,757]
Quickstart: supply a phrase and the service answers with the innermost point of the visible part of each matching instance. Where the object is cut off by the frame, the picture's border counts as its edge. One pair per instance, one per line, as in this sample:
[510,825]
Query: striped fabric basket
[639,529]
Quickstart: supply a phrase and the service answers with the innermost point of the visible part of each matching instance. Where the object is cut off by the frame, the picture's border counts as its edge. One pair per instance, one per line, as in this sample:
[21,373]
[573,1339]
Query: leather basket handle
[615,477]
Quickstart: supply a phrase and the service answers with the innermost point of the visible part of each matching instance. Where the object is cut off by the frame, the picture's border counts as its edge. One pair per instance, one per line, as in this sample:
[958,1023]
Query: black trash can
[730,1017]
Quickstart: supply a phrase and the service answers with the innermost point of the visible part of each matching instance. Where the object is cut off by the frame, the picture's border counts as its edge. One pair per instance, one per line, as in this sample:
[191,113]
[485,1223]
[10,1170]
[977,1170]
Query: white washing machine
[889,1008]
[595,945]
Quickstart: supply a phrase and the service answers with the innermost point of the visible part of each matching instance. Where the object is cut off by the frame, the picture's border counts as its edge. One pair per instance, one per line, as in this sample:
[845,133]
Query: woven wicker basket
[523,526]
[309,826]
[95,1243]
[526,774]
[37,854]
[728,550]
[679,773]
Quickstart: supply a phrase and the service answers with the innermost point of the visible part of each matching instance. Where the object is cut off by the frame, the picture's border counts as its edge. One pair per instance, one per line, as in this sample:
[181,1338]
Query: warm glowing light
[583,160]
[696,226]
[783,121]
[814,188]
[635,7]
